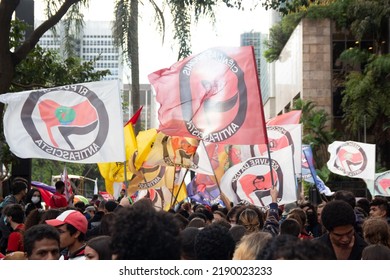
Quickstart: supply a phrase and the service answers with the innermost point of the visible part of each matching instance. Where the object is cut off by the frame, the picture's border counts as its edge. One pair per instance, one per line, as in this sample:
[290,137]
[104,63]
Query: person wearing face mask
[19,189]
[33,201]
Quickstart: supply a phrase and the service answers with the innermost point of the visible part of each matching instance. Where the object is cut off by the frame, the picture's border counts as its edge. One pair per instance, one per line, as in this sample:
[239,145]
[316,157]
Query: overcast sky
[154,55]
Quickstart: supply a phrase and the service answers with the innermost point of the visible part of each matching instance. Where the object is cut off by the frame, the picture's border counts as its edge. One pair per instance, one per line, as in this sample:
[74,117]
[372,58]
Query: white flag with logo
[381,184]
[251,180]
[74,123]
[352,159]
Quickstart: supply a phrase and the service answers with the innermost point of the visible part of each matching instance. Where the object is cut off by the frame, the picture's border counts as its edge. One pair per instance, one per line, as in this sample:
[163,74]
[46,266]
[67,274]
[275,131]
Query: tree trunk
[134,58]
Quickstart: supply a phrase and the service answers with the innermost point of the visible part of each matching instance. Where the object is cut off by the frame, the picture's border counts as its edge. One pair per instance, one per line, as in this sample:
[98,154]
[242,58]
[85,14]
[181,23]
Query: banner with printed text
[79,123]
[214,96]
[251,180]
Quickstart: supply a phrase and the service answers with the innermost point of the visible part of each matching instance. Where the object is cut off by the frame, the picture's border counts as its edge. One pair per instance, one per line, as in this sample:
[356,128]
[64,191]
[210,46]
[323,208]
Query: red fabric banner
[292,117]
[214,96]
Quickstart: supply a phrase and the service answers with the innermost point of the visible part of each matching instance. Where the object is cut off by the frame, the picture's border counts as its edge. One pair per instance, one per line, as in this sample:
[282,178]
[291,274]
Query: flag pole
[181,185]
[221,194]
[215,176]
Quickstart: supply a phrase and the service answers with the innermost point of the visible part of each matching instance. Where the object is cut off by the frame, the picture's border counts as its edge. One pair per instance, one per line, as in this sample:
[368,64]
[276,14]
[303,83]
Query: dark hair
[19,184]
[214,242]
[106,223]
[289,247]
[364,204]
[223,222]
[50,214]
[197,215]
[197,223]
[346,196]
[59,184]
[33,218]
[237,232]
[80,206]
[183,213]
[208,214]
[232,213]
[110,205]
[101,244]
[290,226]
[382,203]
[30,194]
[16,212]
[220,213]
[145,234]
[337,213]
[37,233]
[72,230]
[29,204]
[188,236]
[181,220]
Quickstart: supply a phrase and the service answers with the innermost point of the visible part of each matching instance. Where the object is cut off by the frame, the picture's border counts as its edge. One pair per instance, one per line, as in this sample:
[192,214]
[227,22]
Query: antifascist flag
[203,190]
[251,180]
[173,151]
[214,96]
[381,184]
[165,196]
[79,123]
[352,159]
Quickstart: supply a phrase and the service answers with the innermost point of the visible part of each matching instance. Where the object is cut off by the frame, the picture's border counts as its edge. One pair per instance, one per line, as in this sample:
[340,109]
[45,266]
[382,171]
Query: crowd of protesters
[341,228]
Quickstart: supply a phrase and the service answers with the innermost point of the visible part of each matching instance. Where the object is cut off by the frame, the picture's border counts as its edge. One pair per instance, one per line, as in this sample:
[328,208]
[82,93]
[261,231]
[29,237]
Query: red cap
[71,217]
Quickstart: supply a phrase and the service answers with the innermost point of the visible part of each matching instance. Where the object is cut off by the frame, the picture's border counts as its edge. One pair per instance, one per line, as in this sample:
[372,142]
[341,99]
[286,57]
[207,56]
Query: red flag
[135,117]
[68,186]
[214,96]
[82,117]
[291,117]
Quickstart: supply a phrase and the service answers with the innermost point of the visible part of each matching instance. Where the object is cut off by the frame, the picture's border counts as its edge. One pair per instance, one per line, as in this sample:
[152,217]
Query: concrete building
[94,42]
[148,116]
[304,69]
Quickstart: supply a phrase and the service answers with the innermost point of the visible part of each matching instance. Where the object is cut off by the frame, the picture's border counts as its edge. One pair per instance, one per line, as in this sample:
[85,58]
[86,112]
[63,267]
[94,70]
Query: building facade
[95,42]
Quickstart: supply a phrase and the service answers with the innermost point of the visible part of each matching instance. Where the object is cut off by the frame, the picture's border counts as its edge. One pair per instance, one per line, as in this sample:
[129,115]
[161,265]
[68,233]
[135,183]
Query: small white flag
[352,159]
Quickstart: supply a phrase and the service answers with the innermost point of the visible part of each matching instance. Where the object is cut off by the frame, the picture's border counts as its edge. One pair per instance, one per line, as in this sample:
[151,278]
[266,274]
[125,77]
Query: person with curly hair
[142,233]
[338,217]
[214,242]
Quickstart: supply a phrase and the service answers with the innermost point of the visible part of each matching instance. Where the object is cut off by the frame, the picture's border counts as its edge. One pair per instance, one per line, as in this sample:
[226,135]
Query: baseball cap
[71,217]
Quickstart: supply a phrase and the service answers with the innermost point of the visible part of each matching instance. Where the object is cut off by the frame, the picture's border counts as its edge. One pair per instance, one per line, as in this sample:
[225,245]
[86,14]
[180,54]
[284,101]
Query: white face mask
[35,199]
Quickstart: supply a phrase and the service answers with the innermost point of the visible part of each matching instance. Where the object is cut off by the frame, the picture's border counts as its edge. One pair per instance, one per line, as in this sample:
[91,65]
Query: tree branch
[22,52]
[30,86]
[7,8]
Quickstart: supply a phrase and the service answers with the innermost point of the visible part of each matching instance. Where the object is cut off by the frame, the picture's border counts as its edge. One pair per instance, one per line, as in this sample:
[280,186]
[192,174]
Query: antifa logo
[213,95]
[154,173]
[65,125]
[382,184]
[351,159]
[254,180]
[279,138]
